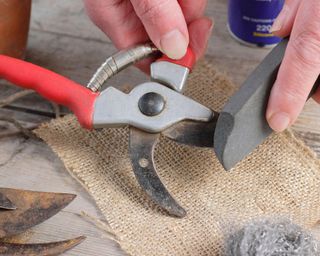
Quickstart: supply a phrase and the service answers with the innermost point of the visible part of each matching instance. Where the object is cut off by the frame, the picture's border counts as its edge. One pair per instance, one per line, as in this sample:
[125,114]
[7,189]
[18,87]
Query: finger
[165,25]
[145,64]
[117,19]
[299,69]
[316,95]
[192,9]
[282,26]
[200,31]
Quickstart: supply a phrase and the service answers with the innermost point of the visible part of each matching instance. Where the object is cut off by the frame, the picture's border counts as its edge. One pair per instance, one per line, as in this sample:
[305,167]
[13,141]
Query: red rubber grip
[187,61]
[51,86]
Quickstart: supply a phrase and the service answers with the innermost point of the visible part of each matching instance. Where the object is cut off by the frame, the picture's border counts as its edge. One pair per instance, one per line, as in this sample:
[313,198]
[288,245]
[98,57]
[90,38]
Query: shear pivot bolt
[151,104]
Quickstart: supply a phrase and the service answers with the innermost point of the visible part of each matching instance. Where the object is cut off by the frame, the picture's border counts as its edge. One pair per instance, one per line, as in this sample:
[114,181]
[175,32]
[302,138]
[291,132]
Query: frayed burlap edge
[304,154]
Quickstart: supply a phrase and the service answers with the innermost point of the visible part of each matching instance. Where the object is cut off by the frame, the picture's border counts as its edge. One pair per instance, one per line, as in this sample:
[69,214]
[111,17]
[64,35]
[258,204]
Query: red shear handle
[187,61]
[51,86]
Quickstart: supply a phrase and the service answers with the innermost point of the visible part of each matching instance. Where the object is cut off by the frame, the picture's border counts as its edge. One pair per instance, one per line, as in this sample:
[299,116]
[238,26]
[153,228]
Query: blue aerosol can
[250,21]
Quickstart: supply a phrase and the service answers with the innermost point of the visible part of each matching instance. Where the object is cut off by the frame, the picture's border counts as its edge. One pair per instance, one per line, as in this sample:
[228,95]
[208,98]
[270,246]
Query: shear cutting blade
[41,249]
[198,134]
[32,209]
[141,150]
[5,203]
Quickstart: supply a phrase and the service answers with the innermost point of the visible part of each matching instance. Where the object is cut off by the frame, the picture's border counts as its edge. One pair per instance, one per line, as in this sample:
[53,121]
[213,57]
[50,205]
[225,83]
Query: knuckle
[306,48]
[294,94]
[150,9]
[314,10]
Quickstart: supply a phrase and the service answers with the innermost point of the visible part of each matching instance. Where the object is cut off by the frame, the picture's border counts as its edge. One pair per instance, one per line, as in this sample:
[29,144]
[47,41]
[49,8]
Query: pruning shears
[158,107]
[150,109]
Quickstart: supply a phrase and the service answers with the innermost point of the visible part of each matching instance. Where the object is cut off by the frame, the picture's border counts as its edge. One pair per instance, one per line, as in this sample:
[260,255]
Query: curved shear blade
[198,134]
[141,150]
[32,209]
[5,203]
[41,249]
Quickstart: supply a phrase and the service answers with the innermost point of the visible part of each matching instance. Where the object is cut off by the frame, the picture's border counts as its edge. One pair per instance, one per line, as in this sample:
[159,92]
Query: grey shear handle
[242,125]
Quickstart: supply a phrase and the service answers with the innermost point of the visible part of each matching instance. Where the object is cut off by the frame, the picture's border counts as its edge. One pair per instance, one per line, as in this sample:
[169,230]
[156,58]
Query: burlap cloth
[281,177]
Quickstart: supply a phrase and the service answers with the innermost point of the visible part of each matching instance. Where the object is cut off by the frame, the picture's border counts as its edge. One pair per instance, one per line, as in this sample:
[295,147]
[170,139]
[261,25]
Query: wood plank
[63,39]
[66,18]
[33,102]
[30,164]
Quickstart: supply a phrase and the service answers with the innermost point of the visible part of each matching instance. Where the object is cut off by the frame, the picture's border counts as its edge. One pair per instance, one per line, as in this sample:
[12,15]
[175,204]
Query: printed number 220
[263,28]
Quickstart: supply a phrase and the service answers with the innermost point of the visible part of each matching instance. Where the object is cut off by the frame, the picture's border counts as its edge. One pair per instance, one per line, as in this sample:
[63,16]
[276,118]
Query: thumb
[165,24]
[283,24]
[299,69]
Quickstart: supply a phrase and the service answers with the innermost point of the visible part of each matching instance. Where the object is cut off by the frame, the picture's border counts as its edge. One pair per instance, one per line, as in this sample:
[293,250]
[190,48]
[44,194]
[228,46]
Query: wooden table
[63,39]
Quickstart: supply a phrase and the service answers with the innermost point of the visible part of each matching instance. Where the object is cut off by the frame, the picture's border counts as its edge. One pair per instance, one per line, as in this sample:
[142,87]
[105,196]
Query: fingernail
[209,32]
[279,121]
[174,44]
[209,27]
[280,20]
[210,24]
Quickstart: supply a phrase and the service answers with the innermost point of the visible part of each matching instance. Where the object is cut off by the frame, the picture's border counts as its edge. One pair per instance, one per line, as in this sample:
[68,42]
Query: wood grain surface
[63,39]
